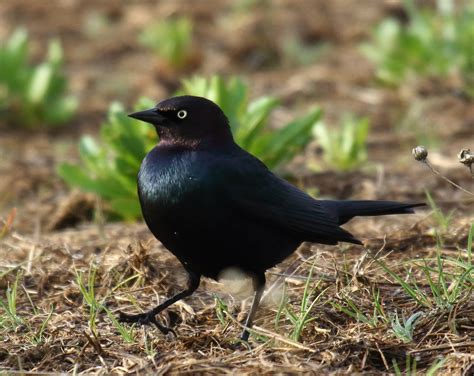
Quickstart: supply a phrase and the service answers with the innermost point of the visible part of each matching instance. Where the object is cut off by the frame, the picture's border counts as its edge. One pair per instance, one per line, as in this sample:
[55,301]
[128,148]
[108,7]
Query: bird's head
[187,120]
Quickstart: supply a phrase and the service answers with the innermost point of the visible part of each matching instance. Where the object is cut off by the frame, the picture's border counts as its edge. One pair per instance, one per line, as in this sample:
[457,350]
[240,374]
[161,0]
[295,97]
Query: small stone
[420,153]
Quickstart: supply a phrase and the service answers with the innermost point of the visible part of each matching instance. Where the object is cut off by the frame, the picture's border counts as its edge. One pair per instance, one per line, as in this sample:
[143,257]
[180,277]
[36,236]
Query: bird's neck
[174,141]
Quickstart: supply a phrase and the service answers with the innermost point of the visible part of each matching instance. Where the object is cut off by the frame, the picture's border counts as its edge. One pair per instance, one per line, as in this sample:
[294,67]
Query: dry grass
[53,331]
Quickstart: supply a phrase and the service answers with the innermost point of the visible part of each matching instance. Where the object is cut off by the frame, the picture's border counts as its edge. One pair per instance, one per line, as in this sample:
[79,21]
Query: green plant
[352,309]
[33,96]
[87,289]
[86,283]
[38,335]
[410,367]
[11,318]
[249,120]
[433,369]
[170,39]
[127,333]
[149,346]
[443,220]
[109,168]
[296,52]
[404,330]
[344,148]
[446,286]
[411,364]
[433,43]
[300,318]
[222,311]
[470,244]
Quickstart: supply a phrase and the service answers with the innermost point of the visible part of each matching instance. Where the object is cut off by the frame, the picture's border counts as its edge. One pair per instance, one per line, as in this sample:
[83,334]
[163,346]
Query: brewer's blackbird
[215,206]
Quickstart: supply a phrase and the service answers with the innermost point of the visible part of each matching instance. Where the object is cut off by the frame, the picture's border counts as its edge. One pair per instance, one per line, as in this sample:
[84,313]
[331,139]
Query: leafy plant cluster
[170,39]
[433,43]
[33,96]
[109,167]
[345,147]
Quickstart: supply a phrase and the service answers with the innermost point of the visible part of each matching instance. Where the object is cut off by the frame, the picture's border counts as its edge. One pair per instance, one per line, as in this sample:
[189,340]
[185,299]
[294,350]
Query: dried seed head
[420,153]
[466,156]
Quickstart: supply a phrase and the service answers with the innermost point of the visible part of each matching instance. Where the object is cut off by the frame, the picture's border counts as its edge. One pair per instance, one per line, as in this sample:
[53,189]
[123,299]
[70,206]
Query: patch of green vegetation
[301,317]
[443,220]
[351,309]
[87,289]
[250,120]
[344,148]
[434,43]
[9,317]
[222,311]
[109,167]
[33,96]
[411,366]
[126,332]
[470,244]
[415,124]
[447,286]
[404,329]
[440,284]
[149,346]
[86,283]
[298,53]
[170,39]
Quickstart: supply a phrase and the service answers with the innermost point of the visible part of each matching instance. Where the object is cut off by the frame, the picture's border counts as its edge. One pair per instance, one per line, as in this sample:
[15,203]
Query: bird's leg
[149,317]
[259,286]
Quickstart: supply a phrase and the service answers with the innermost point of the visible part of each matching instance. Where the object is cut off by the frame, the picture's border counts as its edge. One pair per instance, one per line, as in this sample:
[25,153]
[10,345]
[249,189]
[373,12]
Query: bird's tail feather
[346,210]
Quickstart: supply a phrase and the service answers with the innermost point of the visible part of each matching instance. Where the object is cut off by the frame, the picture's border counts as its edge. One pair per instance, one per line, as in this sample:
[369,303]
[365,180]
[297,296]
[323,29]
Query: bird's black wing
[255,192]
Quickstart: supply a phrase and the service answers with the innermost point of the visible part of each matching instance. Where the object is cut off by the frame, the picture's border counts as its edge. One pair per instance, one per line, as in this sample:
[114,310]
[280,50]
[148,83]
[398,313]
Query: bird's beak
[150,116]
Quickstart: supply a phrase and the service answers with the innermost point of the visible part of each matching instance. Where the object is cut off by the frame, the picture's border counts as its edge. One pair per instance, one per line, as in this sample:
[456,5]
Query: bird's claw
[146,318]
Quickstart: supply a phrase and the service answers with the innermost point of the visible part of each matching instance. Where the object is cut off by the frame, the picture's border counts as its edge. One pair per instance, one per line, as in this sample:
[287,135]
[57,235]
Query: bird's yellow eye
[182,114]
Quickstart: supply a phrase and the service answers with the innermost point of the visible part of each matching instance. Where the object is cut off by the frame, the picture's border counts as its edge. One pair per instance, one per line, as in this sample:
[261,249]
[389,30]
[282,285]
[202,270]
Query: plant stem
[445,178]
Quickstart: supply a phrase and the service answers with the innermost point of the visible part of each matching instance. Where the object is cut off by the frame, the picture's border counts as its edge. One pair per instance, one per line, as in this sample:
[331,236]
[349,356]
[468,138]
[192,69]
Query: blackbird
[215,206]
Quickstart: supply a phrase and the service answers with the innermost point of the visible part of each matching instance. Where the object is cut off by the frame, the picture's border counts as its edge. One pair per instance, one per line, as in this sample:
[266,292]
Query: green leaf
[33,96]
[344,148]
[292,137]
[127,208]
[61,110]
[255,120]
[40,83]
[76,177]
[55,53]
[170,39]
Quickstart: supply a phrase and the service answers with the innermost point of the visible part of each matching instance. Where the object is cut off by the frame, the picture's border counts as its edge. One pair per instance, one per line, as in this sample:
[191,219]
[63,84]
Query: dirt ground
[105,63]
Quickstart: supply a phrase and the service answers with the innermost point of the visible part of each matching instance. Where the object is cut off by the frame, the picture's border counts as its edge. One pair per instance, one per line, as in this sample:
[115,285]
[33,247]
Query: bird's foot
[245,336]
[239,345]
[147,318]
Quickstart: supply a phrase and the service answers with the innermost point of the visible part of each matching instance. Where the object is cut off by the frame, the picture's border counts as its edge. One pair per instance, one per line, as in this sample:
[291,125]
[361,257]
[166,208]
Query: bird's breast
[173,195]
[164,182]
